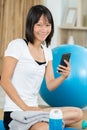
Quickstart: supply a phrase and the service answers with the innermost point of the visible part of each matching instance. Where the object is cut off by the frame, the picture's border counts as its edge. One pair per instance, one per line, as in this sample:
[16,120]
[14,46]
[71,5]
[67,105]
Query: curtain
[12,20]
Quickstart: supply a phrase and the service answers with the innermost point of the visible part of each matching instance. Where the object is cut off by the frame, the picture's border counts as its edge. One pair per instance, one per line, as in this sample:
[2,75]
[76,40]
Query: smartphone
[65,56]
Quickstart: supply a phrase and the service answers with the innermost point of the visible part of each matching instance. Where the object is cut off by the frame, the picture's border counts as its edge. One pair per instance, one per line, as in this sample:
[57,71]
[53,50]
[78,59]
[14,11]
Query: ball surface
[73,91]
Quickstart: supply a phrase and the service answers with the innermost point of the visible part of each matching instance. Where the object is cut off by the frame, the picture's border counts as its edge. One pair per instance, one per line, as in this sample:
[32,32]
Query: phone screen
[64,57]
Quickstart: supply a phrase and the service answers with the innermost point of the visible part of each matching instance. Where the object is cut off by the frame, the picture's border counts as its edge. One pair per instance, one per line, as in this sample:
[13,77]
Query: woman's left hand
[65,70]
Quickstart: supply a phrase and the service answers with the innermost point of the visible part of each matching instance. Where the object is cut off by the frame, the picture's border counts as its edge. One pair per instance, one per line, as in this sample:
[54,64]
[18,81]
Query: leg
[71,115]
[40,126]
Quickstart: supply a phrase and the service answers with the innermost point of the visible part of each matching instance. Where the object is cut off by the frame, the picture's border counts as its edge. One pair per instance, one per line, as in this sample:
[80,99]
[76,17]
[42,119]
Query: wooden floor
[77,125]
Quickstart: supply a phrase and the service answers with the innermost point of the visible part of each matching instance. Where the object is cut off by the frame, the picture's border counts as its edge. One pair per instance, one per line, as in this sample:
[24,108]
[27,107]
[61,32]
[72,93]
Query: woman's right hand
[65,70]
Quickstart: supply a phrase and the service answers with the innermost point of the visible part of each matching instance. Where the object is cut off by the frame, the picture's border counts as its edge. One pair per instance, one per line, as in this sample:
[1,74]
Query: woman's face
[42,29]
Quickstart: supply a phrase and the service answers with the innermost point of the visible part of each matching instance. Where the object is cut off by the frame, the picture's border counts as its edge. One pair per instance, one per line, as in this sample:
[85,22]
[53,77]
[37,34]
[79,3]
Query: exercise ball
[73,91]
[1,125]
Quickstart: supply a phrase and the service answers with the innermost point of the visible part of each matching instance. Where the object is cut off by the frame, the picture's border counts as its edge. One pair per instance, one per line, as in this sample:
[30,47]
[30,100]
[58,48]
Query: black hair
[33,17]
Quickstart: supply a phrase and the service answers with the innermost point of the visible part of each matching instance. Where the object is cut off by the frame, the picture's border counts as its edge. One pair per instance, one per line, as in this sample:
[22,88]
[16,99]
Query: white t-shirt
[28,74]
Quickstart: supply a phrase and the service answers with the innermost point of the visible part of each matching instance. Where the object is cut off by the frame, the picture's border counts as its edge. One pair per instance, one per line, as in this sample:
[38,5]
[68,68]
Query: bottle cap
[56,114]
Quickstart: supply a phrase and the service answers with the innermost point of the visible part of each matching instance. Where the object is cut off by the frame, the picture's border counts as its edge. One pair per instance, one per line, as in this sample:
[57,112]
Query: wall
[72,2]
[55,7]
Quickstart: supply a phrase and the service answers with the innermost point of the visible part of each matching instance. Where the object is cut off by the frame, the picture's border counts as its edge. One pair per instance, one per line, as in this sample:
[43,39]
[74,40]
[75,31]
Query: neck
[36,45]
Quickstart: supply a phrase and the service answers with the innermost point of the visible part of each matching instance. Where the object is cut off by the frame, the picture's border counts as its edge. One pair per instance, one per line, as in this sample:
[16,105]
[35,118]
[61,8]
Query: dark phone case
[64,57]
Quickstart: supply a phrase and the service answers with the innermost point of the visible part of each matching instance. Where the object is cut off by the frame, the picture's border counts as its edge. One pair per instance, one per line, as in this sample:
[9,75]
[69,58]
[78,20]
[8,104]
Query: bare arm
[53,83]
[9,65]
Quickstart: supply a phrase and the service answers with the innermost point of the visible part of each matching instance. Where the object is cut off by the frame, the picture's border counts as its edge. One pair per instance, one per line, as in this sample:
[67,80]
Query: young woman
[25,64]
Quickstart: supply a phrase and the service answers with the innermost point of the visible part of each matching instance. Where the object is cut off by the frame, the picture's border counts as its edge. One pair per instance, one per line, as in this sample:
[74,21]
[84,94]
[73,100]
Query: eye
[38,24]
[48,24]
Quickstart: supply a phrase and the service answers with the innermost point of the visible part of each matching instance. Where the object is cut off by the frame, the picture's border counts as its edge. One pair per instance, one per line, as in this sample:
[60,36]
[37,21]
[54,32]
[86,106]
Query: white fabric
[23,120]
[28,75]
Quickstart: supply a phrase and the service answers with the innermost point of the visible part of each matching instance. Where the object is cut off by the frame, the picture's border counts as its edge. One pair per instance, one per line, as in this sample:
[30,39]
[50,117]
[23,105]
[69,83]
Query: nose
[44,28]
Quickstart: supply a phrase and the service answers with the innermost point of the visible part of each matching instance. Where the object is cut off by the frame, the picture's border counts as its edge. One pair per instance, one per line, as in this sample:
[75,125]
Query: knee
[79,114]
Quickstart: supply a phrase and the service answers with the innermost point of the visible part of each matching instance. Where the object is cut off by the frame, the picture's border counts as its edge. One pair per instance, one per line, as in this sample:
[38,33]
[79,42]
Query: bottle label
[55,124]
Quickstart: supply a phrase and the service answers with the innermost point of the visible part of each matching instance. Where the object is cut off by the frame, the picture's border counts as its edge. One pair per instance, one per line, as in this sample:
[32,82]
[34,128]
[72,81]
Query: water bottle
[55,120]
[84,124]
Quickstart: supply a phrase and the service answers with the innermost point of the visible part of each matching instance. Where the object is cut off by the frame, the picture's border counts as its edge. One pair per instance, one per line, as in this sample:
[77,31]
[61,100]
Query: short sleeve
[14,49]
[48,54]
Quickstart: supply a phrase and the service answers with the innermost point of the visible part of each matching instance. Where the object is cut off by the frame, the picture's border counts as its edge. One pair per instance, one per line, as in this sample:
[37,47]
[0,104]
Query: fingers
[65,70]
[67,63]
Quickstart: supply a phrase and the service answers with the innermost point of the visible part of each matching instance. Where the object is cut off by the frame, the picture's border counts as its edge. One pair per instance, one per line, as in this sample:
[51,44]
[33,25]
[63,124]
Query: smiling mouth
[43,35]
